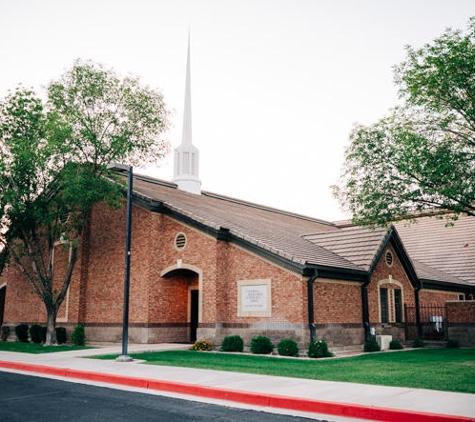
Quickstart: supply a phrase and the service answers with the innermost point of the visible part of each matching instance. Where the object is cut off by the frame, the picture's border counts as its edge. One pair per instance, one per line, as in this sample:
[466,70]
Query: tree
[53,166]
[421,158]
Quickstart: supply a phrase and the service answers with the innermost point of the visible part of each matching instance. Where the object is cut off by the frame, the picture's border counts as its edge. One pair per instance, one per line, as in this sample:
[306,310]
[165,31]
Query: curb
[264,400]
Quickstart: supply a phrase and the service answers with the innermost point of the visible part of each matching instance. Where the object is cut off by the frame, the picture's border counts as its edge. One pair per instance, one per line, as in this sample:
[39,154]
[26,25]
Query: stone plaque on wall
[254,298]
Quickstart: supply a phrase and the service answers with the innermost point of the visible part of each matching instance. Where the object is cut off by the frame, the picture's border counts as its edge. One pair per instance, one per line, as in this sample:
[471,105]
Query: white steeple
[187,155]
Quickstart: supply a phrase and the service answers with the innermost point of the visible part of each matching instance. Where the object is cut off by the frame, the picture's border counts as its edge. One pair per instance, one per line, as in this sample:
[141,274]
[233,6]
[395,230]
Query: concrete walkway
[335,401]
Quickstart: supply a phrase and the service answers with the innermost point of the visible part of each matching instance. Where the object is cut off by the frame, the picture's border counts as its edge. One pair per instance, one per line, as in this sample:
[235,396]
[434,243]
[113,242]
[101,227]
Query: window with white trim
[391,302]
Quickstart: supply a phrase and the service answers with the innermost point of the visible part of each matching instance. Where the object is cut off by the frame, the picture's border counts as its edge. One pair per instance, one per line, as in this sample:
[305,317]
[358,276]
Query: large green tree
[53,167]
[420,158]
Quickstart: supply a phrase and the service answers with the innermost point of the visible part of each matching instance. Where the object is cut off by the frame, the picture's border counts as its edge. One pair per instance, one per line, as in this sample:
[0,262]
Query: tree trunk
[51,326]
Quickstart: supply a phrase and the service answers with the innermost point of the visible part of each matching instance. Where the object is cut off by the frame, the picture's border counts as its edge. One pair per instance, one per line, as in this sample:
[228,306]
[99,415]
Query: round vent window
[180,241]
[389,258]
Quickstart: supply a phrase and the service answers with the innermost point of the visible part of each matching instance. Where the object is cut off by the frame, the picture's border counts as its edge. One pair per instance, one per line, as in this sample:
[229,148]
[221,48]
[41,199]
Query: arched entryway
[182,290]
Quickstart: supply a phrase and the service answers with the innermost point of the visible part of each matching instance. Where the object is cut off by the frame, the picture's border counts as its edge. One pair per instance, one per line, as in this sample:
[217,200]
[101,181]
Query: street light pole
[128,235]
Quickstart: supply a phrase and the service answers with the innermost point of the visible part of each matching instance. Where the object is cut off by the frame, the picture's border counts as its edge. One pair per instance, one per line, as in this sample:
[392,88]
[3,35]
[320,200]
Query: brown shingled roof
[450,250]
[276,231]
[359,245]
[437,253]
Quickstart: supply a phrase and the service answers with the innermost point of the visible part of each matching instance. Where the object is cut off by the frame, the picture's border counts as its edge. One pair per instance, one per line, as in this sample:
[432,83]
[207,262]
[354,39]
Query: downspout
[365,308]
[311,311]
[418,310]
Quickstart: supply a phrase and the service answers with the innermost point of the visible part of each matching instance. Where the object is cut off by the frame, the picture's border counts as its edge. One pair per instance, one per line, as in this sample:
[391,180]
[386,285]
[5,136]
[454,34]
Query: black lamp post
[128,232]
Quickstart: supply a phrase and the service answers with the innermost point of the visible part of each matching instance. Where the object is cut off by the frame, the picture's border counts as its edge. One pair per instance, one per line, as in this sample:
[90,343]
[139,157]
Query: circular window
[180,241]
[389,258]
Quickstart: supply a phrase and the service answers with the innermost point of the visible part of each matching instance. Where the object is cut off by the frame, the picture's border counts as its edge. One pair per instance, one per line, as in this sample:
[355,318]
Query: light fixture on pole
[128,231]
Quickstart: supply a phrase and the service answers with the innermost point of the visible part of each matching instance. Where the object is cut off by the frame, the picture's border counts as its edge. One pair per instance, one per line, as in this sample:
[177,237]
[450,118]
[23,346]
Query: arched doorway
[182,291]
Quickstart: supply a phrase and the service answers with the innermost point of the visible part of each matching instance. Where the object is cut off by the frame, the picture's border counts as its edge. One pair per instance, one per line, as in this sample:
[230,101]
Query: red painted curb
[257,399]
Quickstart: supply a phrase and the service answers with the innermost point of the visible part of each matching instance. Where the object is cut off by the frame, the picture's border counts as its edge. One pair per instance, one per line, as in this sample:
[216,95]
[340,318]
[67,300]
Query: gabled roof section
[358,245]
[441,248]
[429,251]
[279,233]
[431,276]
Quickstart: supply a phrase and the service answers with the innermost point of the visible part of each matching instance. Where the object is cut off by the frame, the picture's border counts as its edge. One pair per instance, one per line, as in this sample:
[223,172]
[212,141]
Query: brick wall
[337,302]
[461,322]
[161,277]
[436,297]
[22,305]
[461,311]
[390,277]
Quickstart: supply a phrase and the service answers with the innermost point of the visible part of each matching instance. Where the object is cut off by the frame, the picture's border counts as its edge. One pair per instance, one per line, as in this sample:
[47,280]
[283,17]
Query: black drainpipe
[418,311]
[365,308]
[311,311]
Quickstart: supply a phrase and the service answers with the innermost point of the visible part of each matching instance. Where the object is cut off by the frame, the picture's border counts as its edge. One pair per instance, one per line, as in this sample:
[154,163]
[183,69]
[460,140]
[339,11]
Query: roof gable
[440,249]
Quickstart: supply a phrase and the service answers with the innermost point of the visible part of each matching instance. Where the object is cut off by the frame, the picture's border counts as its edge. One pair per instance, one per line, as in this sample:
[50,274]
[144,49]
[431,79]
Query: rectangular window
[383,303]
[398,305]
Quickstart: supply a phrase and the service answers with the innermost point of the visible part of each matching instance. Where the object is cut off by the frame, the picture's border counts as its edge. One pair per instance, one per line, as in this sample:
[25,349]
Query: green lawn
[435,369]
[35,348]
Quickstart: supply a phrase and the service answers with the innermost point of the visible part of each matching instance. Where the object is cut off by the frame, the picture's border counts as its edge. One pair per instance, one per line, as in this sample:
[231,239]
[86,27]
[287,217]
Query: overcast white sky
[276,84]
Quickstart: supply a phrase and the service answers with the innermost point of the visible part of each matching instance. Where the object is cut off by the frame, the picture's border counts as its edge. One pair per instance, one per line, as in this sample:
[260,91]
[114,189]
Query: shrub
[5,332]
[418,342]
[372,345]
[318,349]
[288,347]
[79,336]
[202,346]
[261,345]
[21,332]
[61,335]
[452,343]
[232,344]
[36,334]
[395,345]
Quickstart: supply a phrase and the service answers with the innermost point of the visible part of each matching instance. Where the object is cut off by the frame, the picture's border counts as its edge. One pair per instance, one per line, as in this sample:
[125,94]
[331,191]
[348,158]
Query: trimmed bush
[452,343]
[79,336]
[261,345]
[5,332]
[61,335]
[372,345]
[21,332]
[318,349]
[202,346]
[418,342]
[288,347]
[36,334]
[395,345]
[232,344]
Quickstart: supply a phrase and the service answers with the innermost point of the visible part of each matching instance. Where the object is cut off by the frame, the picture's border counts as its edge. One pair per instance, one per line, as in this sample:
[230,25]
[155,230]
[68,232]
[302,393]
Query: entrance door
[193,315]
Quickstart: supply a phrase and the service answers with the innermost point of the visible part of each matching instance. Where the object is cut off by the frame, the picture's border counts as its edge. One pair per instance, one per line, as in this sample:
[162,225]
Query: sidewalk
[333,401]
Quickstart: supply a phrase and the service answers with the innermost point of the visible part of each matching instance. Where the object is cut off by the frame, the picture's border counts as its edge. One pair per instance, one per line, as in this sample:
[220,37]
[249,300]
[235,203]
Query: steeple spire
[187,155]
[187,133]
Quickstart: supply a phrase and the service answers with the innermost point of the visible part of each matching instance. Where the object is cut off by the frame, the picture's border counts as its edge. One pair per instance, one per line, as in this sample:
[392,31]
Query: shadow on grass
[34,348]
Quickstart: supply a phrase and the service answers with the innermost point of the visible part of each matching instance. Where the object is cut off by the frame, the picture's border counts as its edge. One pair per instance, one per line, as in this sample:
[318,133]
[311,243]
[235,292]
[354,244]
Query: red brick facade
[163,278]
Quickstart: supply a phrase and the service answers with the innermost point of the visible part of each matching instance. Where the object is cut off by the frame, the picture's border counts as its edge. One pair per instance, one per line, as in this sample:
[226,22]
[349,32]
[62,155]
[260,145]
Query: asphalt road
[28,398]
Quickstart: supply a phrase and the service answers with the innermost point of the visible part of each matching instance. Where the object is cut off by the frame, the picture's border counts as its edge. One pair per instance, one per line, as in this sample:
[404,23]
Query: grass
[34,348]
[434,369]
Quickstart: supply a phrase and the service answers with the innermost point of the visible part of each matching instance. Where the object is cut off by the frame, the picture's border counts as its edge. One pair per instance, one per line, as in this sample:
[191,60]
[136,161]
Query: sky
[277,85]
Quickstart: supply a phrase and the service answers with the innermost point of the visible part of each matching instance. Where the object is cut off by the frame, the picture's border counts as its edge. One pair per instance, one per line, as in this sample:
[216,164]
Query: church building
[205,266]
